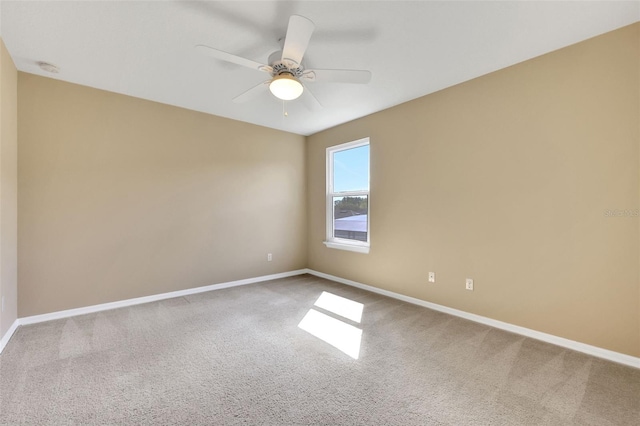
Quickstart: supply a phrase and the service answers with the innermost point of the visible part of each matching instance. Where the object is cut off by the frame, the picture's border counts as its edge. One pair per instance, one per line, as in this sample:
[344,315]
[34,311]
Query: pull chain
[285,114]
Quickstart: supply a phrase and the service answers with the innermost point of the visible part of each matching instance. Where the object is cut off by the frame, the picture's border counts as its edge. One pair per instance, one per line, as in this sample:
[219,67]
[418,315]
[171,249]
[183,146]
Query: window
[348,196]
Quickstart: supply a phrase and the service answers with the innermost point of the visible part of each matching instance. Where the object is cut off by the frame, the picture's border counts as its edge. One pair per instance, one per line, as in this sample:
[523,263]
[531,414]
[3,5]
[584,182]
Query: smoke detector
[46,66]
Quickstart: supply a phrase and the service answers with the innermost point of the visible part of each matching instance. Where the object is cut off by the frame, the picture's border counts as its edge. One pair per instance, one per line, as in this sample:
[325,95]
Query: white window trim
[341,243]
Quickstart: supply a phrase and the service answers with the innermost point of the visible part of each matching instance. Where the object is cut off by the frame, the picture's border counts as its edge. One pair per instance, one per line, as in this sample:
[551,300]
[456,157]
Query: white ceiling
[146,49]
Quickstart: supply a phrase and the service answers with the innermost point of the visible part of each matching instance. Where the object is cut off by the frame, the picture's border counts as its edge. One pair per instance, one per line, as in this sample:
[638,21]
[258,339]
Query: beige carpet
[238,356]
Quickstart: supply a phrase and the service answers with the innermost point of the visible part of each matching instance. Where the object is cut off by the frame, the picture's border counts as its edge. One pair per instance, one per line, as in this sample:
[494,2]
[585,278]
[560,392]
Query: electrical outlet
[469,284]
[432,277]
[269,257]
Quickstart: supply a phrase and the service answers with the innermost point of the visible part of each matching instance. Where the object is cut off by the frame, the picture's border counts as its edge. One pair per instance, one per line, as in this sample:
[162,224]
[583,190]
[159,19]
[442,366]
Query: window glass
[350,218]
[351,169]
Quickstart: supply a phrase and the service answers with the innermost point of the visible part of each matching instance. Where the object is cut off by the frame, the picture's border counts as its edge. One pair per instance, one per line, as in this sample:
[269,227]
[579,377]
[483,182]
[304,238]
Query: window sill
[349,247]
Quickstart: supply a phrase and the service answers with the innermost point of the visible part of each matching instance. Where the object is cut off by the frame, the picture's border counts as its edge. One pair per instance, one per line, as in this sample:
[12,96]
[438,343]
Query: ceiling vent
[46,66]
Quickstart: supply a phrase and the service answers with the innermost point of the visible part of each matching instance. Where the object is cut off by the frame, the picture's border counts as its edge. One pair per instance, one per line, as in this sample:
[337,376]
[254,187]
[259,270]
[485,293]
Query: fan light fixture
[287,76]
[286,87]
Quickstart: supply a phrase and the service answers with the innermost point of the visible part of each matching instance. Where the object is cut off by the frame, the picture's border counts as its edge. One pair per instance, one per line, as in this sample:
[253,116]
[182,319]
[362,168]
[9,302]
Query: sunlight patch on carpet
[338,334]
[340,306]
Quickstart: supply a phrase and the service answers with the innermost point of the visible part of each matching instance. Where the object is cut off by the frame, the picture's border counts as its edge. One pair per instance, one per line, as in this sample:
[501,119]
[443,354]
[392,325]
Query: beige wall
[121,197]
[505,179]
[8,189]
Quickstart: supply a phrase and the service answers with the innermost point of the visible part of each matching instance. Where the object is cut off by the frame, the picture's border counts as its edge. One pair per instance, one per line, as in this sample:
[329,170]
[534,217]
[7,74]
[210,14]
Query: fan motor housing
[279,67]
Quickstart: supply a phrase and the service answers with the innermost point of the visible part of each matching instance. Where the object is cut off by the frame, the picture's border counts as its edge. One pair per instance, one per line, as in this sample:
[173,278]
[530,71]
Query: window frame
[330,240]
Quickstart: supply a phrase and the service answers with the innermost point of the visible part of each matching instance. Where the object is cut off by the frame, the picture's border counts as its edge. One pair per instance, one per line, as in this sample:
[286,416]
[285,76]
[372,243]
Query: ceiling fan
[288,74]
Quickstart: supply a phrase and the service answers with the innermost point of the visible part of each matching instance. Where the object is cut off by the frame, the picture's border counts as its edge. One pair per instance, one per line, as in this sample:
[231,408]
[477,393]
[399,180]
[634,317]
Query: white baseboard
[146,299]
[549,338]
[7,336]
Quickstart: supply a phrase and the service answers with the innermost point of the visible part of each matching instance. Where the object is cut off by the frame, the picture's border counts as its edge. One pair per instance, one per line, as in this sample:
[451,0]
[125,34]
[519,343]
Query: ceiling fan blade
[337,76]
[252,93]
[310,101]
[297,39]
[228,57]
